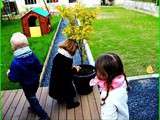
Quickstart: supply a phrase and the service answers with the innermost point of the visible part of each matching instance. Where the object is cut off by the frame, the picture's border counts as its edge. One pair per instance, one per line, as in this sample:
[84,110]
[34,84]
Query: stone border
[142,11]
[89,53]
[49,51]
[92,62]
[143,77]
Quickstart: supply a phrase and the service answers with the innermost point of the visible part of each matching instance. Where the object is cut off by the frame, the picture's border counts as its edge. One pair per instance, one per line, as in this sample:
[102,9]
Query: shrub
[79,25]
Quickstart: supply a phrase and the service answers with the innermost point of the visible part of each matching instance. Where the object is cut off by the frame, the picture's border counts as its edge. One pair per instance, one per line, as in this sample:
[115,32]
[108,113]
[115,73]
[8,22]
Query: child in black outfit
[61,87]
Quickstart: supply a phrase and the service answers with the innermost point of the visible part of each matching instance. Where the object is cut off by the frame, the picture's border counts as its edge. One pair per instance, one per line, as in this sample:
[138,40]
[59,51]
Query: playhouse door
[34,26]
[35,31]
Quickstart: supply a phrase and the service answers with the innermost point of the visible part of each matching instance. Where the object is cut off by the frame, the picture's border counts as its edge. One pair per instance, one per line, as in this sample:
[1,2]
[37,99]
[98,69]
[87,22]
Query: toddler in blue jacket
[25,69]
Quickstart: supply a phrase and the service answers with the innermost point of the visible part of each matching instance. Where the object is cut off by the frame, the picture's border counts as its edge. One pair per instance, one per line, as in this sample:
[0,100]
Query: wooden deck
[15,107]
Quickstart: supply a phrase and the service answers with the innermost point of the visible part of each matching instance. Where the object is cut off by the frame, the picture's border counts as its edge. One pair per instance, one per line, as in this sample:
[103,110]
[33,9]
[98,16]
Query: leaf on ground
[150,69]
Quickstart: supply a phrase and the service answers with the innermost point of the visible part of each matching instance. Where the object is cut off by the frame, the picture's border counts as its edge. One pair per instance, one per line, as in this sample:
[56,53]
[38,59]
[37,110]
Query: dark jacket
[25,70]
[61,85]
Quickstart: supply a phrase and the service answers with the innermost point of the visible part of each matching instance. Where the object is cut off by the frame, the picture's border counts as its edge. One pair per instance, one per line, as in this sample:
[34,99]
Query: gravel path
[59,38]
[143,99]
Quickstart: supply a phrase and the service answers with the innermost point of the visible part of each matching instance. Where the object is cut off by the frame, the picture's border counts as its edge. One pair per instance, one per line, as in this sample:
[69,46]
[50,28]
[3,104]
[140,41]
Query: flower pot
[82,79]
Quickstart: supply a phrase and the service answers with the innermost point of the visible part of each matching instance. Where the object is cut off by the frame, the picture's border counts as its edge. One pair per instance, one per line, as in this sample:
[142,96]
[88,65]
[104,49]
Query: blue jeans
[30,93]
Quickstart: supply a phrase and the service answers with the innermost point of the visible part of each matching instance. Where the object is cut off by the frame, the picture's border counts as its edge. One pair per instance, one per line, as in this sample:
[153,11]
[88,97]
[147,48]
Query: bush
[79,25]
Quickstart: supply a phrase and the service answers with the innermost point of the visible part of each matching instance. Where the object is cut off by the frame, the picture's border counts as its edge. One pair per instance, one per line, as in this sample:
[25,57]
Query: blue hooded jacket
[25,69]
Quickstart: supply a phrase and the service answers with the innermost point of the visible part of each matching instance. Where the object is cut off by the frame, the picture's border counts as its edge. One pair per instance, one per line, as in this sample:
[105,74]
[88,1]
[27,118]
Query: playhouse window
[30,1]
[9,7]
[52,1]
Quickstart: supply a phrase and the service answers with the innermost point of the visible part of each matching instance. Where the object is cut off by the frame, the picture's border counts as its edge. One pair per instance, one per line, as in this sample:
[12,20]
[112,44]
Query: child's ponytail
[125,78]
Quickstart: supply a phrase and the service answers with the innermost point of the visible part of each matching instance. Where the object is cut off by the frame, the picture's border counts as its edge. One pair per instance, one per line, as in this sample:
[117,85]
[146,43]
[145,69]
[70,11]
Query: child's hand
[93,82]
[8,72]
[77,68]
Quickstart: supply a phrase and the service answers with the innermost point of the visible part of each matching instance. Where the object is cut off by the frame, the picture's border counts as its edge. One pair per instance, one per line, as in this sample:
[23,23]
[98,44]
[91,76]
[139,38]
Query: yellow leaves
[149,69]
[59,8]
[84,16]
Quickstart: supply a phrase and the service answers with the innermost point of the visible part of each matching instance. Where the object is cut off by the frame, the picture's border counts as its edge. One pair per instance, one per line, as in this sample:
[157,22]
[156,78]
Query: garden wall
[145,6]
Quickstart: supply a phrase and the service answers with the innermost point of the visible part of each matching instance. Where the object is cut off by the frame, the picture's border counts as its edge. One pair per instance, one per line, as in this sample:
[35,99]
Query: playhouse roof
[40,11]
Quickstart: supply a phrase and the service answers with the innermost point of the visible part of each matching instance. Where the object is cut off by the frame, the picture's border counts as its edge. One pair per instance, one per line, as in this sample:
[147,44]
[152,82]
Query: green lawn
[132,35]
[39,45]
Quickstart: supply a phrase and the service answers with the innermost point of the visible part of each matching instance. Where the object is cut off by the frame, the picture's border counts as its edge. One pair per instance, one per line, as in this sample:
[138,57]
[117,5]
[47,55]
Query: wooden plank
[32,116]
[85,108]
[78,110]
[48,107]
[5,97]
[70,114]
[8,103]
[43,98]
[55,110]
[93,107]
[97,97]
[62,112]
[19,108]
[13,105]
[24,112]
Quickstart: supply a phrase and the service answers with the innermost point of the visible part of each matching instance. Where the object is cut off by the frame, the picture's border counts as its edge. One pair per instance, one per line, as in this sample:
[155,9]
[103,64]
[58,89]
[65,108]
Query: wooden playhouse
[36,23]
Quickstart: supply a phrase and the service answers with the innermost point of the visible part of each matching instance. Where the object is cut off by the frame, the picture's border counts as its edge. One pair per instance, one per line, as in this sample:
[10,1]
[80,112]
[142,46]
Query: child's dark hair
[110,66]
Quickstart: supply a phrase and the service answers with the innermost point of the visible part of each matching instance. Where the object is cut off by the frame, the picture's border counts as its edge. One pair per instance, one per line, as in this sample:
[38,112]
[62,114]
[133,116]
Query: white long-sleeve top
[115,107]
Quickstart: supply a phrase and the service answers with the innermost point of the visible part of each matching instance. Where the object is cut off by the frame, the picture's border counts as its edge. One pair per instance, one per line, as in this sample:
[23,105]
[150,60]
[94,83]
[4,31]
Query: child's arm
[38,65]
[13,73]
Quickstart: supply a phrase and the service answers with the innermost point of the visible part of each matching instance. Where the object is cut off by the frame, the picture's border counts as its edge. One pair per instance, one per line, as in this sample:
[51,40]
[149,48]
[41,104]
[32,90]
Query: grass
[132,35]
[39,45]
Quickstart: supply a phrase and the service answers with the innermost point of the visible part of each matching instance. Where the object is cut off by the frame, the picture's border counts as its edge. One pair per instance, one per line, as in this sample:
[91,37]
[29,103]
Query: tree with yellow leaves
[79,25]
